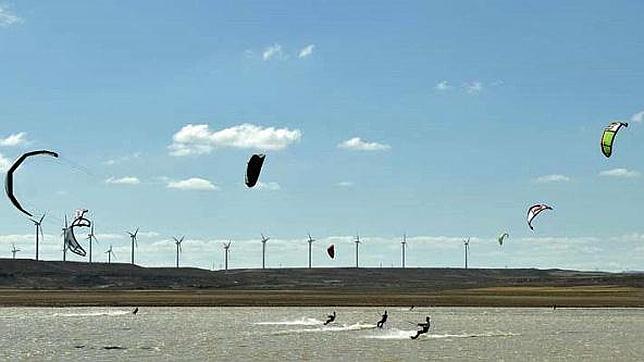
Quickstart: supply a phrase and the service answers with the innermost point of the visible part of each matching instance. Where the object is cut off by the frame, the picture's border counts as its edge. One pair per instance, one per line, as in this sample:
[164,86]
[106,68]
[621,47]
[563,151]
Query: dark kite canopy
[254,168]
[8,181]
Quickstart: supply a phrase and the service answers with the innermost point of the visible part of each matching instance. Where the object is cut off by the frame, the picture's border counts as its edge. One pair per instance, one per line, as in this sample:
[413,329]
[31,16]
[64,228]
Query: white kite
[535,210]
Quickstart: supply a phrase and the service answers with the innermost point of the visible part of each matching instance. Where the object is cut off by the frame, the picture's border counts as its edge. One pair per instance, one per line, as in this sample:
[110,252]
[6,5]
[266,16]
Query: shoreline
[501,297]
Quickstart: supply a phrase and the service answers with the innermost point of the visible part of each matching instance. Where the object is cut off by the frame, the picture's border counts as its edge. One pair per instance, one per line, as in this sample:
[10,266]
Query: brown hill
[52,275]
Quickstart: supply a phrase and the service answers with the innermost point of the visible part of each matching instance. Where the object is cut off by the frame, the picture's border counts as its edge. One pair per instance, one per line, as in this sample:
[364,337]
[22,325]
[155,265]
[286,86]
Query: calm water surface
[277,334]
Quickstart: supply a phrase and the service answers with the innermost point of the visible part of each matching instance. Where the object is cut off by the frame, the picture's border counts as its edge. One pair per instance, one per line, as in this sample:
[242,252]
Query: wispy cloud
[638,117]
[358,144]
[552,178]
[128,180]
[116,161]
[7,17]
[16,139]
[306,51]
[474,87]
[273,51]
[199,139]
[269,186]
[4,163]
[193,184]
[620,172]
[345,184]
[443,86]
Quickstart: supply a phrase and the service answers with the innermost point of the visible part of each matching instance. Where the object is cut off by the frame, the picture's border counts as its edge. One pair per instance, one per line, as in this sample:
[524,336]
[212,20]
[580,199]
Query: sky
[442,120]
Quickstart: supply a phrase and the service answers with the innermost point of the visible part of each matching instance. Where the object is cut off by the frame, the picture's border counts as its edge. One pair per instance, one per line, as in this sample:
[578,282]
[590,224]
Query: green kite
[608,137]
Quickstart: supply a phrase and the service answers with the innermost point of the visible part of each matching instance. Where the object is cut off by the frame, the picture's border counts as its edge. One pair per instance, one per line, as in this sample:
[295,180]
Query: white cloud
[115,161]
[271,186]
[8,18]
[4,163]
[16,139]
[638,117]
[443,86]
[193,183]
[345,184]
[357,144]
[273,51]
[306,51]
[620,172]
[474,87]
[199,139]
[128,180]
[552,178]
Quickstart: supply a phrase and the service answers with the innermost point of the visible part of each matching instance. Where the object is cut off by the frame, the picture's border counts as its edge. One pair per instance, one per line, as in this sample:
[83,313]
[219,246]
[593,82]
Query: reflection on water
[298,333]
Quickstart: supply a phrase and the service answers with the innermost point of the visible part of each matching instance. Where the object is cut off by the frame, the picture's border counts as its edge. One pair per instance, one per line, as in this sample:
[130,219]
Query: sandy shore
[584,296]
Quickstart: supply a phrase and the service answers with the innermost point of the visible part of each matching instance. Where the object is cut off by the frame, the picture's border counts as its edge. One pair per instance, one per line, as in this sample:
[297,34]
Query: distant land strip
[58,284]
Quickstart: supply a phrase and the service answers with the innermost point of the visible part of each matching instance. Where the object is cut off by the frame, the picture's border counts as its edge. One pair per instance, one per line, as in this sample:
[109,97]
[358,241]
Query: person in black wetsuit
[135,311]
[382,321]
[425,328]
[330,319]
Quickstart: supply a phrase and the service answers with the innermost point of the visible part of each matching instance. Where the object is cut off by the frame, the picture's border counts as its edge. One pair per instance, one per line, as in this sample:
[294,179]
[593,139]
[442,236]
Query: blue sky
[444,120]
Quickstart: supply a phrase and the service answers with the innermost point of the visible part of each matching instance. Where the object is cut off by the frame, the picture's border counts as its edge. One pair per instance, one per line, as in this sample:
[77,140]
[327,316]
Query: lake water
[278,334]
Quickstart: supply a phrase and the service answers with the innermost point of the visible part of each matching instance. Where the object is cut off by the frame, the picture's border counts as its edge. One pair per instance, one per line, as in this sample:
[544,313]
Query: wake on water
[297,322]
[401,334]
[329,329]
[95,314]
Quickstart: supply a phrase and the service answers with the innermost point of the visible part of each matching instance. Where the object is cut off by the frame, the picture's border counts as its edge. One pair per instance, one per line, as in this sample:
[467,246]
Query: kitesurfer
[425,327]
[135,311]
[411,309]
[330,319]
[382,321]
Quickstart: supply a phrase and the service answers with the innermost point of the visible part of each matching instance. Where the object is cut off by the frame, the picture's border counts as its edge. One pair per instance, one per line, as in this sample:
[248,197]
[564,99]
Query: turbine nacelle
[133,237]
[178,241]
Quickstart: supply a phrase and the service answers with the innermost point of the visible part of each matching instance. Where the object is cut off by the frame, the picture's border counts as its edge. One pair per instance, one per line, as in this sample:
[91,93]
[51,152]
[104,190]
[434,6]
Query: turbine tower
[134,242]
[179,249]
[404,250]
[357,241]
[14,250]
[226,252]
[264,240]
[110,253]
[91,238]
[62,234]
[466,244]
[310,241]
[39,231]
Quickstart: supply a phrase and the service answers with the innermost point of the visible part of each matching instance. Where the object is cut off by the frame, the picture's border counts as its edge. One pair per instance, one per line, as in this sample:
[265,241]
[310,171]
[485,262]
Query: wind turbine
[110,253]
[310,241]
[404,249]
[64,230]
[91,238]
[357,241]
[39,231]
[226,252]
[14,250]
[134,242]
[466,244]
[264,240]
[179,249]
